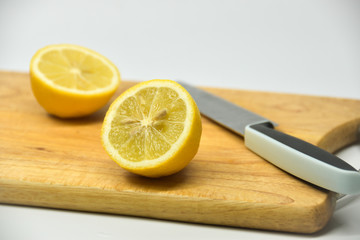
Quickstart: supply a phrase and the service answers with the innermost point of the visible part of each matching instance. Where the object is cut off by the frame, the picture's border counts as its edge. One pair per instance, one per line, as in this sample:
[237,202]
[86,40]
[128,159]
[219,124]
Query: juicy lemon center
[147,124]
[75,71]
[72,69]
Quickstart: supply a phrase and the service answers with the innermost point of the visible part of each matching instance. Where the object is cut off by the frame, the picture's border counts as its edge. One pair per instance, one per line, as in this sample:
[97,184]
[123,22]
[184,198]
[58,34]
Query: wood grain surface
[49,162]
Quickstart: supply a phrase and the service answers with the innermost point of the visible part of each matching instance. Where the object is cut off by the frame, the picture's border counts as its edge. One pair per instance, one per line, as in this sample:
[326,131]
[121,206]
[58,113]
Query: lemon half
[152,129]
[72,81]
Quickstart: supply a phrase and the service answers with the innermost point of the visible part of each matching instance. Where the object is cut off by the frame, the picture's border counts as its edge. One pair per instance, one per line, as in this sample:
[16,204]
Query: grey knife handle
[302,159]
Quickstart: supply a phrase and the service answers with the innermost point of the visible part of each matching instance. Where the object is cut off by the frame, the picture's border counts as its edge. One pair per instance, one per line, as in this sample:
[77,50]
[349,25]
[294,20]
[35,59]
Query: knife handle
[302,159]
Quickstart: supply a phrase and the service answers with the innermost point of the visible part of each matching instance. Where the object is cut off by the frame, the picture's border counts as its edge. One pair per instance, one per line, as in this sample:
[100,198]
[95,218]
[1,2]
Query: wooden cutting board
[49,162]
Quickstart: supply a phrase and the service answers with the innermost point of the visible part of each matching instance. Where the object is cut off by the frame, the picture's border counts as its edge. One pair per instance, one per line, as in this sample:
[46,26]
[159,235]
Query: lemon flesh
[153,129]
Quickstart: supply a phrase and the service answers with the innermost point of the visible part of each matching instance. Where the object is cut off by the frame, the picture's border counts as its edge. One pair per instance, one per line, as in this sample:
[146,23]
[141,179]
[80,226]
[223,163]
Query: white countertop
[307,47]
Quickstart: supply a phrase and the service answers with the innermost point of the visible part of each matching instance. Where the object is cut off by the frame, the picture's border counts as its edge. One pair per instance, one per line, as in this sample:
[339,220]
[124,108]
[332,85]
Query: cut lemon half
[152,129]
[72,81]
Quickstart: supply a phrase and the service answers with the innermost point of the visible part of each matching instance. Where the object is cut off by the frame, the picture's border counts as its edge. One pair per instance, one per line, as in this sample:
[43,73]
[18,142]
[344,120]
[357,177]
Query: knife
[293,155]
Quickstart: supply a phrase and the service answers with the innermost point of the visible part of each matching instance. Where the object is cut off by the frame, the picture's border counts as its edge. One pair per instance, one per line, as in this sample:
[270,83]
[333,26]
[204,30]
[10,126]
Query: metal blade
[225,113]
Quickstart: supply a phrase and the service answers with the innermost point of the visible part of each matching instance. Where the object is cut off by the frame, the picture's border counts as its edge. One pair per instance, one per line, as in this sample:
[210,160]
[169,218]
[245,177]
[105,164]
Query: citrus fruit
[153,128]
[72,81]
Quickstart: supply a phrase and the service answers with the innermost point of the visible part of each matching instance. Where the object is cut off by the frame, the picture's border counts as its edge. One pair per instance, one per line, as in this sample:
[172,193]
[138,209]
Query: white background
[307,47]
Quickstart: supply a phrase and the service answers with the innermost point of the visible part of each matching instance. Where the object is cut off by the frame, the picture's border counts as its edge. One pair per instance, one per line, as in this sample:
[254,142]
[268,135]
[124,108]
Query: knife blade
[293,155]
